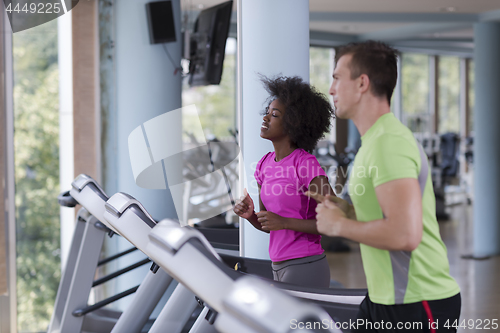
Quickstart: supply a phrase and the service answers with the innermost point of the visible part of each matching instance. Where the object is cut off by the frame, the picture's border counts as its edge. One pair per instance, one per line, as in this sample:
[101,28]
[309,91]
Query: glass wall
[321,68]
[471,95]
[449,95]
[415,91]
[320,74]
[36,149]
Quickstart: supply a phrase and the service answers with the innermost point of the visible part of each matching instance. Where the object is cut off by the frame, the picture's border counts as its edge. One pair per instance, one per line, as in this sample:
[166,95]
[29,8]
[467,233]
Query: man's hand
[244,207]
[347,208]
[328,218]
[270,221]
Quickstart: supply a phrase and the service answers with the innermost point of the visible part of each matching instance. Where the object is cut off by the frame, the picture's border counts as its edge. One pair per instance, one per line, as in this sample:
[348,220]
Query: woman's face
[272,126]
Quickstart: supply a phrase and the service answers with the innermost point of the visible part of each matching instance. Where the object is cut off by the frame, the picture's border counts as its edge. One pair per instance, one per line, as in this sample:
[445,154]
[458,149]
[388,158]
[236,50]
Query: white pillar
[273,38]
[464,113]
[146,86]
[486,137]
[8,301]
[66,156]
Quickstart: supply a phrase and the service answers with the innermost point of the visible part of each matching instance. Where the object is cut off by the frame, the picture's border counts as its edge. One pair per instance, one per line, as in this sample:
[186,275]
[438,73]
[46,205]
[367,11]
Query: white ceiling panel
[393,20]
[352,28]
[405,6]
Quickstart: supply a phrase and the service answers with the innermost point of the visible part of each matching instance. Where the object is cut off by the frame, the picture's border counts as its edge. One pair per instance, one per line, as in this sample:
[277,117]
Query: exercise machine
[71,311]
[188,257]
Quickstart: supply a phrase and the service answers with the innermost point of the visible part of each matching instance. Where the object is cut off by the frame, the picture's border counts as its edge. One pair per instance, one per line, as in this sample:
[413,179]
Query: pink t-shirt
[282,190]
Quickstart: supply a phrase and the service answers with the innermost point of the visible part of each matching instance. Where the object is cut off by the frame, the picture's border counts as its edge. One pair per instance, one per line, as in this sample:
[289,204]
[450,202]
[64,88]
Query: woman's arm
[245,209]
[321,185]
[271,221]
[261,204]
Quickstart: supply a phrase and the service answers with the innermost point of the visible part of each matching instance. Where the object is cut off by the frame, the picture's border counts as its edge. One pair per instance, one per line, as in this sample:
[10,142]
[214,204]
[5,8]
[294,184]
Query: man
[393,212]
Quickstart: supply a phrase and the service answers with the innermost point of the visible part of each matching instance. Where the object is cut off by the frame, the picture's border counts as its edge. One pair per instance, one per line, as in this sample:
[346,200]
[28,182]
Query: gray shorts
[310,271]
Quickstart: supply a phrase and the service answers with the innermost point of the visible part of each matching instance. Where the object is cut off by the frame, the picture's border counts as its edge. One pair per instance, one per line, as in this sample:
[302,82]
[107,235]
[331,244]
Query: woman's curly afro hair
[308,113]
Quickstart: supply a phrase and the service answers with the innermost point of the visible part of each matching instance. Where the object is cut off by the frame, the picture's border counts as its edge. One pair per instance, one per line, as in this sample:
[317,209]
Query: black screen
[208,43]
[161,22]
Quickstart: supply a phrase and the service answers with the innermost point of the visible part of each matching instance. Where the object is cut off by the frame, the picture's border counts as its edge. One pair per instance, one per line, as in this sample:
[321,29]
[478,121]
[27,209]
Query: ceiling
[402,6]
[431,26]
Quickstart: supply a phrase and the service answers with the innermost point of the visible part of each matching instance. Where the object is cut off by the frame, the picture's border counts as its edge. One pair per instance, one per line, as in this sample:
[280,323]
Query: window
[471,96]
[321,68]
[415,91]
[320,73]
[36,149]
[449,95]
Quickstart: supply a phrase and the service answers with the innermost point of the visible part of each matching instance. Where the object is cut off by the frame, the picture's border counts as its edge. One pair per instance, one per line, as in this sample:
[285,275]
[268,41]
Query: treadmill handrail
[176,236]
[121,201]
[161,237]
[83,180]
[91,196]
[252,302]
[66,200]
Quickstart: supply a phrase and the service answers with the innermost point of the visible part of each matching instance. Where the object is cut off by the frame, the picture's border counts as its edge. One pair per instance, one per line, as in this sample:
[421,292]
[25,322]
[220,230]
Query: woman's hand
[244,207]
[270,221]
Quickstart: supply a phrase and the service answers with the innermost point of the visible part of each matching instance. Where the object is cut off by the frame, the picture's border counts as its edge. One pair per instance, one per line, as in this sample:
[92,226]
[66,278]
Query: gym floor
[478,279]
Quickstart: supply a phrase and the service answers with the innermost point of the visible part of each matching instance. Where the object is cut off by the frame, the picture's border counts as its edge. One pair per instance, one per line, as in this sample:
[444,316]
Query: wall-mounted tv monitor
[161,22]
[208,44]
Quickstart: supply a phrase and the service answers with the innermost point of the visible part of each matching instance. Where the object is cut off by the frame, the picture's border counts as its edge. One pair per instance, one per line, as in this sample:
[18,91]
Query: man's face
[345,91]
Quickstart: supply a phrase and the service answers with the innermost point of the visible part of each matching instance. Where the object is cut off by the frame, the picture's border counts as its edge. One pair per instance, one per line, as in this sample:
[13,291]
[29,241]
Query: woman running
[296,117]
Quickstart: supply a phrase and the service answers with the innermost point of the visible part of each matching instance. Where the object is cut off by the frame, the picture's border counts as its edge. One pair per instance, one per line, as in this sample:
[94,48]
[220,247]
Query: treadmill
[71,311]
[188,257]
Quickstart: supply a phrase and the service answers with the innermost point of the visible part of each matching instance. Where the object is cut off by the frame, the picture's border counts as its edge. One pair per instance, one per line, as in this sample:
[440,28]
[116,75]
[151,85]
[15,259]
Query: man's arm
[271,221]
[400,229]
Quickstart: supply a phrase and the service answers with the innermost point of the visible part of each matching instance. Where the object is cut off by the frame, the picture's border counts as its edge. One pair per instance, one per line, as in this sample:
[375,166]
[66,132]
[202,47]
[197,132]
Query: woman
[295,119]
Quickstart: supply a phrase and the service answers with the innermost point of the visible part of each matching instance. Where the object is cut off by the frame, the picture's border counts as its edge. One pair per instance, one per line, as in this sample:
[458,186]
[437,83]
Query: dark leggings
[310,271]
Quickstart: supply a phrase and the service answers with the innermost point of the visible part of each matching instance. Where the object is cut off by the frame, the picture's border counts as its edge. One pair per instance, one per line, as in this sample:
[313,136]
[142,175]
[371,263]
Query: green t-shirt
[388,152]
